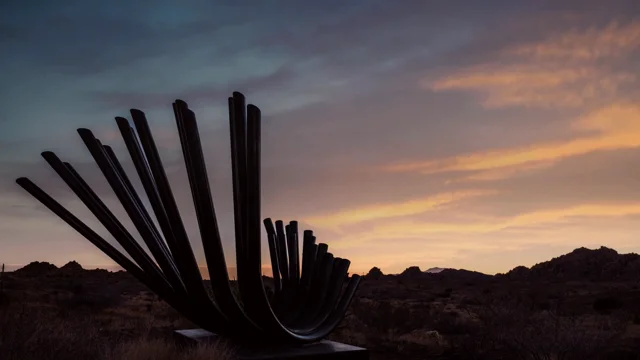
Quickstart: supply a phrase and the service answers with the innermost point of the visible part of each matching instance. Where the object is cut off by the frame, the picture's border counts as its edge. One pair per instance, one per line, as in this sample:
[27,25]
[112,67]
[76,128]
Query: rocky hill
[36,268]
[71,267]
[603,264]
[582,264]
[374,274]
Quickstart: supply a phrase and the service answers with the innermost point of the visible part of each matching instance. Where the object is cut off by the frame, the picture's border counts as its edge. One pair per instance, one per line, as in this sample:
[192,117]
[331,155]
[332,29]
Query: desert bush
[469,301]
[162,349]
[605,305]
[527,333]
[382,316]
[82,299]
[30,333]
[449,322]
[11,283]
[4,299]
[446,293]
[427,342]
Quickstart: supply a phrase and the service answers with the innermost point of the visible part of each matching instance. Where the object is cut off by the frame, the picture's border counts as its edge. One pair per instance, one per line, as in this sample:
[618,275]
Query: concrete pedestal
[323,349]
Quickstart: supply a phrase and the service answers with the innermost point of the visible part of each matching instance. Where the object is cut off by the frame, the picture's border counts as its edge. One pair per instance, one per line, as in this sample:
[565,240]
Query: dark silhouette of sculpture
[310,298]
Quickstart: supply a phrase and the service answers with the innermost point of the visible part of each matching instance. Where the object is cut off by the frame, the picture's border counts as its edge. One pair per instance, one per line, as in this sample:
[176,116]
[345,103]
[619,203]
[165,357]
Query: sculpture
[309,298]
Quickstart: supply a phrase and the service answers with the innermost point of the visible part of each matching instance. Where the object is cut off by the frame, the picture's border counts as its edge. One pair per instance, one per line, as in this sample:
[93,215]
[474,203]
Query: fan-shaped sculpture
[310,298]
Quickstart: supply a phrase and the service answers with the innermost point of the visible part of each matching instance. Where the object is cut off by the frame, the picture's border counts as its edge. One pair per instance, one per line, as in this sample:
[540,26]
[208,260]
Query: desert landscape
[582,305]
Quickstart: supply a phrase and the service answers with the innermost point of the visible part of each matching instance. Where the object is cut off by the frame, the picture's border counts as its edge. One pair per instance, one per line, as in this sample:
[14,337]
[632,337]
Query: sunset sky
[468,134]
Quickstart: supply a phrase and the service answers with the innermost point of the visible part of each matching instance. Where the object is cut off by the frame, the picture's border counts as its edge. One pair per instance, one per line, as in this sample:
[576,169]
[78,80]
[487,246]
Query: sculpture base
[323,349]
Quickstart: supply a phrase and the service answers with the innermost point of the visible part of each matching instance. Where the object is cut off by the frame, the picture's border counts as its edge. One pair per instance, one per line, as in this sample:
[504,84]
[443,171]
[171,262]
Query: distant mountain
[412,272]
[71,267]
[375,273]
[603,264]
[463,274]
[455,275]
[36,268]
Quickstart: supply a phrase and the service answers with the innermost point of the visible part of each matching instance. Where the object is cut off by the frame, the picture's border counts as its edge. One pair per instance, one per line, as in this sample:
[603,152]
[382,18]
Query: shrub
[31,333]
[81,299]
[160,349]
[606,305]
[520,332]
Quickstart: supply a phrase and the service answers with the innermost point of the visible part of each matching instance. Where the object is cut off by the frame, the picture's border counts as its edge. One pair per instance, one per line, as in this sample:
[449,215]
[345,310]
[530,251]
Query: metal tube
[91,200]
[207,222]
[149,233]
[184,257]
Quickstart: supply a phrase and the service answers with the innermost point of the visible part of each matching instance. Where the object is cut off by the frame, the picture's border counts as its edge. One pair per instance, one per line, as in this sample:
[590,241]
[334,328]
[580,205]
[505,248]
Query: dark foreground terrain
[583,305]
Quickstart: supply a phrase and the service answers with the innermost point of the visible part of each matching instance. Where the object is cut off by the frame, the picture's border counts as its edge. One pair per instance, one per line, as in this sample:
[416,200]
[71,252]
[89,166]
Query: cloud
[613,41]
[584,70]
[197,93]
[535,85]
[565,70]
[384,211]
[403,230]
[506,172]
[617,127]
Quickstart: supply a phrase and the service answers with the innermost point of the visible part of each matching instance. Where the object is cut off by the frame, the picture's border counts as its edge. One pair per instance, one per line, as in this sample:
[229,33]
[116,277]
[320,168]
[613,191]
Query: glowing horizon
[266,269]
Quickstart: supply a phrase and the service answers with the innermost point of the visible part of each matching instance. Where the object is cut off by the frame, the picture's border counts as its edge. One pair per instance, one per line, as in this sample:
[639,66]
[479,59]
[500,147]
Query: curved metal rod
[257,304]
[200,300]
[163,291]
[144,173]
[124,195]
[237,127]
[290,303]
[275,266]
[154,240]
[207,222]
[294,253]
[318,292]
[282,303]
[310,250]
[275,249]
[91,200]
[183,254]
[334,289]
[313,294]
[310,298]
[308,256]
[338,313]
[283,258]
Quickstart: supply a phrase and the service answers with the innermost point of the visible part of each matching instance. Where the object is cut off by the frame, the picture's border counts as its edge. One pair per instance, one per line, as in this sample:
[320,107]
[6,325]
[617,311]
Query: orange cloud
[505,172]
[534,85]
[613,41]
[619,127]
[382,211]
[565,70]
[417,230]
